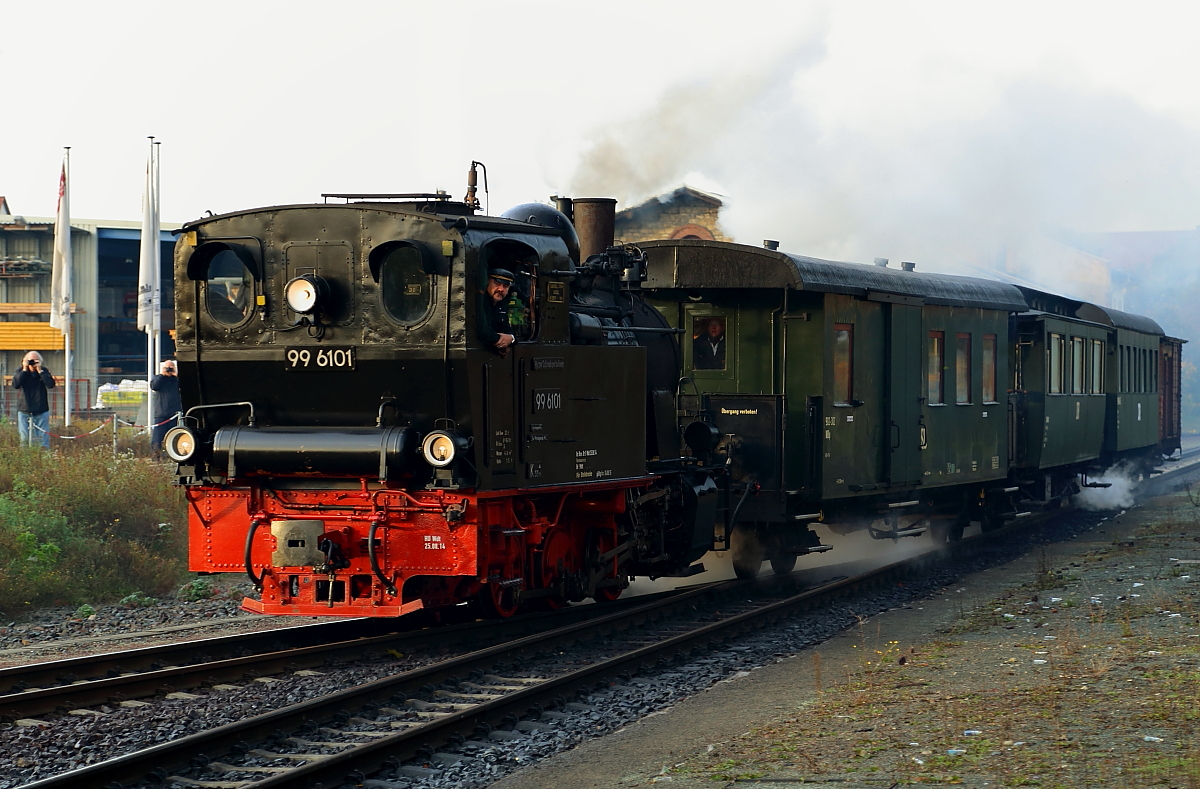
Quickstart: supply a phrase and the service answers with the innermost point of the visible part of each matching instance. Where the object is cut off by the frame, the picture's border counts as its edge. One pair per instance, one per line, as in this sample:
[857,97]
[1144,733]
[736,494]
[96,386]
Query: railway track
[113,678]
[494,693]
[404,726]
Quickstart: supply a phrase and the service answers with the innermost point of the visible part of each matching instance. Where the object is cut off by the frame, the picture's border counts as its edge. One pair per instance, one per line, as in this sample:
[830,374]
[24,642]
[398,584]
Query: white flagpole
[148,278]
[61,276]
[157,263]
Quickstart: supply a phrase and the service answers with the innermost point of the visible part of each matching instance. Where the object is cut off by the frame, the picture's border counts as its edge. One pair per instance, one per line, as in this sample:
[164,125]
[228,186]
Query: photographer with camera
[33,408]
[166,403]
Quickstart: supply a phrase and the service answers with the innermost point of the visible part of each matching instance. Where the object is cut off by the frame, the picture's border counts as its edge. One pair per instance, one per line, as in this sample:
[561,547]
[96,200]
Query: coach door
[903,394]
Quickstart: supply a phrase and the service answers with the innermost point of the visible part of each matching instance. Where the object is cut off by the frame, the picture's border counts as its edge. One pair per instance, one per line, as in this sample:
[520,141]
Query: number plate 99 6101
[319,359]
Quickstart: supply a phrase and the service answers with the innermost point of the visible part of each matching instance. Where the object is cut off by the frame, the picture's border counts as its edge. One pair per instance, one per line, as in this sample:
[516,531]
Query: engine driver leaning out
[494,330]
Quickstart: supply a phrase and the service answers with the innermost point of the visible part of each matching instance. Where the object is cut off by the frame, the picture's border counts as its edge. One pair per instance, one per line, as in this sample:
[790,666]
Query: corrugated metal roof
[695,264]
[1121,320]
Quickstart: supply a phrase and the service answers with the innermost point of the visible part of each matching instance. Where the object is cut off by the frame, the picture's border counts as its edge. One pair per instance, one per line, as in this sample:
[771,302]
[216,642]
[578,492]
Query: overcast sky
[844,129]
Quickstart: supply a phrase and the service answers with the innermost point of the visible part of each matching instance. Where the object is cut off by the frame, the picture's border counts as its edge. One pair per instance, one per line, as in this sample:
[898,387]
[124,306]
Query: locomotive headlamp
[441,447]
[305,294]
[180,444]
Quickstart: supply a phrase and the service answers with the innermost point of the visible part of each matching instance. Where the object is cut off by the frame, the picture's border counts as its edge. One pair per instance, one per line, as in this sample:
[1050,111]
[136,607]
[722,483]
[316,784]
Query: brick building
[683,213]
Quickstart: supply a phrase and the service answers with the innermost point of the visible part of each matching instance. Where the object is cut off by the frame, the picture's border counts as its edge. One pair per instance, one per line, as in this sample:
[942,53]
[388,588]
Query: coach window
[935,374]
[962,369]
[229,289]
[404,286]
[1054,358]
[1097,367]
[843,363]
[989,368]
[708,342]
[1076,365]
[1153,371]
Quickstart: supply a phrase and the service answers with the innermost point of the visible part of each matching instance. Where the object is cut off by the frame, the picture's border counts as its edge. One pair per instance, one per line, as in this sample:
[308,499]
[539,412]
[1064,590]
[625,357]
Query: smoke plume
[960,189]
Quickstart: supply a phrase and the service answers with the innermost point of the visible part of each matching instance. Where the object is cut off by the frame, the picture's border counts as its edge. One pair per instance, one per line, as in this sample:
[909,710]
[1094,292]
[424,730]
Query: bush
[78,524]
[196,590]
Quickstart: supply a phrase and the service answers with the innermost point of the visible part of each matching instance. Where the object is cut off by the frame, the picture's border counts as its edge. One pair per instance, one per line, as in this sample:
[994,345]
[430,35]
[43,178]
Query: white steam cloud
[1119,494]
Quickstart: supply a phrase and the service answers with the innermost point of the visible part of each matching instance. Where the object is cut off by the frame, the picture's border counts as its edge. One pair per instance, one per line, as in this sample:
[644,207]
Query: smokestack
[564,206]
[908,266]
[769,244]
[595,222]
[881,262]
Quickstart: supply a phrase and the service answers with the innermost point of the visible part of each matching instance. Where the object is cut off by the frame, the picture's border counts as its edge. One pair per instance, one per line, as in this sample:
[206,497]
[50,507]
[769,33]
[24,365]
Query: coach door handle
[897,428]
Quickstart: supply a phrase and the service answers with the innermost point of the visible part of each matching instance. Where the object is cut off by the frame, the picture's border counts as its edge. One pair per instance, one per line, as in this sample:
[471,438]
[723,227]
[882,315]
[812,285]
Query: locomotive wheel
[783,563]
[747,552]
[599,542]
[499,601]
[558,560]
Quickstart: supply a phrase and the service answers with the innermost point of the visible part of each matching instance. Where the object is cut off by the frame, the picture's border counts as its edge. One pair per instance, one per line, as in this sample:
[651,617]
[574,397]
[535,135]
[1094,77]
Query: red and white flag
[60,279]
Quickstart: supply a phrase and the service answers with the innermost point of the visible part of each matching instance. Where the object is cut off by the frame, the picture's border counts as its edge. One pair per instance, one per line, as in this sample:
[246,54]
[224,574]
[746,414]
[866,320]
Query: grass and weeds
[80,526]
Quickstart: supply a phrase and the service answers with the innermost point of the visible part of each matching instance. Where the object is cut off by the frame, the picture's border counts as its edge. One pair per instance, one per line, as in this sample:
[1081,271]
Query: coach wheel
[747,551]
[783,563]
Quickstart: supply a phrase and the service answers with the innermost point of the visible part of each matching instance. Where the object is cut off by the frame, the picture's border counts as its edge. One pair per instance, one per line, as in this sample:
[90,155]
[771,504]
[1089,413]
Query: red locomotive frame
[432,547]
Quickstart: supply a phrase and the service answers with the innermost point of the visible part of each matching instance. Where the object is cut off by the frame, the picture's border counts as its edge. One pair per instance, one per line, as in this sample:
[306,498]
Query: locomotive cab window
[708,342]
[229,289]
[405,287]
[508,293]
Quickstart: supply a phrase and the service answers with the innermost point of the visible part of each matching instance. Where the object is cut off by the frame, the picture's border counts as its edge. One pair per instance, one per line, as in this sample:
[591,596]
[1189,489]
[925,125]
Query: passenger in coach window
[708,345]
[494,330]
[167,403]
[33,406]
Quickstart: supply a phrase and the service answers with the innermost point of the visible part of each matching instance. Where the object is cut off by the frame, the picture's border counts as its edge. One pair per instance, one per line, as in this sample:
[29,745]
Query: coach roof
[694,265]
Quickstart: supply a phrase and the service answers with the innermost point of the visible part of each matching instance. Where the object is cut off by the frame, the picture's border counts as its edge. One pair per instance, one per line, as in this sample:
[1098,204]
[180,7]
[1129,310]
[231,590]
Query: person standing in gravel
[167,404]
[33,407]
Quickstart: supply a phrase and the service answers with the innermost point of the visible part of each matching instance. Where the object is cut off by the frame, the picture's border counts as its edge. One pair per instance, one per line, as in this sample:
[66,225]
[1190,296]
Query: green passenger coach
[893,400]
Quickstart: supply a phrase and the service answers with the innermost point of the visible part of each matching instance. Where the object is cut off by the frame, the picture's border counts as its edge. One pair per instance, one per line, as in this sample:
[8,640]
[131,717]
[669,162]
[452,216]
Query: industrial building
[106,343]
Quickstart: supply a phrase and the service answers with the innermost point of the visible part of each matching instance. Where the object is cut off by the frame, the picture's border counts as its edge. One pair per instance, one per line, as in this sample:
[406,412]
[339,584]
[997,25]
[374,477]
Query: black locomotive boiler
[356,442]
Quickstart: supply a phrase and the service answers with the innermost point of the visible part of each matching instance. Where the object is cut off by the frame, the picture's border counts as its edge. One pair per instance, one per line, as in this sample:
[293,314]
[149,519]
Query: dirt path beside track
[1077,665]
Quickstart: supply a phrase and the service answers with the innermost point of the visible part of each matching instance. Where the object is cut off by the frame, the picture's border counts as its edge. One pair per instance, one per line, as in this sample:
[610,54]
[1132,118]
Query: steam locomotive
[354,444]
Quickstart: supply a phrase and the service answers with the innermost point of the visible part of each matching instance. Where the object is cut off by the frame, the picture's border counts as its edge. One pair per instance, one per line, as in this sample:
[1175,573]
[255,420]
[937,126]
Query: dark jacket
[33,388]
[167,403]
[492,319]
[708,354]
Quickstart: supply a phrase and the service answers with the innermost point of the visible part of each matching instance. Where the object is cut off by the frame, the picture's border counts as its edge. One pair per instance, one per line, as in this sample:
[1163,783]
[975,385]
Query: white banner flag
[149,286]
[60,279]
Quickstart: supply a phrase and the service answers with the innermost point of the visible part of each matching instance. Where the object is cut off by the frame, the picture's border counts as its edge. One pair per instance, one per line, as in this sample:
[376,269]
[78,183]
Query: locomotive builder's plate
[296,358]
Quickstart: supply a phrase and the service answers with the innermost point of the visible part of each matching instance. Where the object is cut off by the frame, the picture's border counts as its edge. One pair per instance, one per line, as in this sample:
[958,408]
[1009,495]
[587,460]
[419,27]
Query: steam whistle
[472,199]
